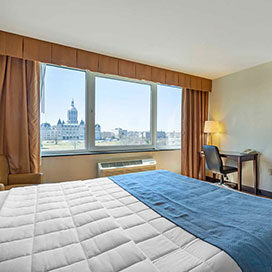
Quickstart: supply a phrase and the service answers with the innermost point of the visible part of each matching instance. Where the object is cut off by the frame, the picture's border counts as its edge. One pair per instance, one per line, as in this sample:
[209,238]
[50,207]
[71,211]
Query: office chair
[214,162]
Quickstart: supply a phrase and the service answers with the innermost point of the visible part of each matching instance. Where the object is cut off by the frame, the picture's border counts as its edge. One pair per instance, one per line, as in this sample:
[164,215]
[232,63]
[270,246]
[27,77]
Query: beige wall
[85,166]
[243,103]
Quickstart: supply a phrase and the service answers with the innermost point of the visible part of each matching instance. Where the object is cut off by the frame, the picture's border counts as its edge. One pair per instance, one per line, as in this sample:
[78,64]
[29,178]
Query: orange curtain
[194,115]
[20,114]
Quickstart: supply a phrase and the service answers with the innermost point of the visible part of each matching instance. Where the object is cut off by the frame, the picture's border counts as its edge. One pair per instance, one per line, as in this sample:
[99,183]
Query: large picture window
[83,111]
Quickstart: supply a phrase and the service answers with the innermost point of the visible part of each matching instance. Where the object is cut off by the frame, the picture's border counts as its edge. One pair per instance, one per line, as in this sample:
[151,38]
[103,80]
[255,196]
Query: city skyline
[71,134]
[81,120]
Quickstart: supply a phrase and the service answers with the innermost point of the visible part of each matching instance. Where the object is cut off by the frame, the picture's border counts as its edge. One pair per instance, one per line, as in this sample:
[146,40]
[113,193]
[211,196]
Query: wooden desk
[239,158]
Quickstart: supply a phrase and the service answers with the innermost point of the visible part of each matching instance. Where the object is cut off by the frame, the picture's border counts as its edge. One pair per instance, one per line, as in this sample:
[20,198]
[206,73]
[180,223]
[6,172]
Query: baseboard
[245,188]
[259,191]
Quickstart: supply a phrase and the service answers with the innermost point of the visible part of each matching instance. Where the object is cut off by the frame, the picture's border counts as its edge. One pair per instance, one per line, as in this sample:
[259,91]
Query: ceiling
[210,38]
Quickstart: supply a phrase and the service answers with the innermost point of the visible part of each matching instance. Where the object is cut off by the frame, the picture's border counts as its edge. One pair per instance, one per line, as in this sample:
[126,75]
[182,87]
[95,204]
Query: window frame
[90,90]
[159,147]
[84,150]
[119,147]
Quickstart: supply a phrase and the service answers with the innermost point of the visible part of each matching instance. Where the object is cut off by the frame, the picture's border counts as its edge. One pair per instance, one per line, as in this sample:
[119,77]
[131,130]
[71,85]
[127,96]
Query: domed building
[72,114]
[70,130]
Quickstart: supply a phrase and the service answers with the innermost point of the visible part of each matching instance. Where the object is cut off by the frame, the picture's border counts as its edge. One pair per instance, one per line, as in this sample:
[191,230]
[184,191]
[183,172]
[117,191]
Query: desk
[239,158]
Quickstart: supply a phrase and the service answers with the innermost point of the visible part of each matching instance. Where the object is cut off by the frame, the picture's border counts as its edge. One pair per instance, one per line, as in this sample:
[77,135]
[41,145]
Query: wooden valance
[33,49]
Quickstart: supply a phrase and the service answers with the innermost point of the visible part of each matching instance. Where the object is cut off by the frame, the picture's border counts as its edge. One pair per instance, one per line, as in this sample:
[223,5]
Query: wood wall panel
[171,78]
[206,84]
[185,80]
[108,65]
[143,71]
[63,55]
[157,75]
[188,80]
[2,42]
[11,44]
[127,68]
[37,50]
[196,83]
[181,79]
[87,60]
[14,45]
[33,49]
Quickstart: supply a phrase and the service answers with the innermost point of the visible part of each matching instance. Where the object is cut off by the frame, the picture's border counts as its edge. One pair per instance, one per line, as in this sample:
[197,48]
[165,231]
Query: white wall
[243,103]
[66,168]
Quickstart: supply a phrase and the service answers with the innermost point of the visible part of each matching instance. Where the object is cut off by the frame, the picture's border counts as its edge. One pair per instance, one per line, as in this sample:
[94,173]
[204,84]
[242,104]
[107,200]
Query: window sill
[81,153]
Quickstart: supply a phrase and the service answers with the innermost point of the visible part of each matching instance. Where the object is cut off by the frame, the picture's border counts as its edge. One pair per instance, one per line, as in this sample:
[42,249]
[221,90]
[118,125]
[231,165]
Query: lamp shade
[211,127]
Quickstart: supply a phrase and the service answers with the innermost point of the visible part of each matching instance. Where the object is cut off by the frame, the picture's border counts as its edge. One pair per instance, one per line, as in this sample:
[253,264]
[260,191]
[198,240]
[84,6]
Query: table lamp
[210,128]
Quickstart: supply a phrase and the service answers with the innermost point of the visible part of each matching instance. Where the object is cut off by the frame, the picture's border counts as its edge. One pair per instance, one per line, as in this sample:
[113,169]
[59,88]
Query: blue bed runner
[240,224]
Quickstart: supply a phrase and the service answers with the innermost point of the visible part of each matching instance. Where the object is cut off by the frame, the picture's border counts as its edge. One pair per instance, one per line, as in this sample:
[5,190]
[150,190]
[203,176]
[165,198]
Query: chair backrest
[213,159]
[4,169]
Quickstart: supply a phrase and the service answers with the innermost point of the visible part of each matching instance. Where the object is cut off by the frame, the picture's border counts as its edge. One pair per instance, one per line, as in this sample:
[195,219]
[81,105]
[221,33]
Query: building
[120,133]
[97,128]
[70,130]
[72,114]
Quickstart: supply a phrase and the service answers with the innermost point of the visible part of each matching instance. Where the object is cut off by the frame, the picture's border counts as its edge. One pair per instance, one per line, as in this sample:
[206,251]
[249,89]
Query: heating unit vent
[112,168]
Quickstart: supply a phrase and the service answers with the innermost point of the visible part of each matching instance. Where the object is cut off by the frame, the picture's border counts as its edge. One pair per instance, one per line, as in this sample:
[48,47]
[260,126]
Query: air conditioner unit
[112,168]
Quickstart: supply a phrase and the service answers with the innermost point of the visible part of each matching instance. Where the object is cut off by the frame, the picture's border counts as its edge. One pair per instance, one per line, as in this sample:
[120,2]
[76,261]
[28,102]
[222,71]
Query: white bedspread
[95,226]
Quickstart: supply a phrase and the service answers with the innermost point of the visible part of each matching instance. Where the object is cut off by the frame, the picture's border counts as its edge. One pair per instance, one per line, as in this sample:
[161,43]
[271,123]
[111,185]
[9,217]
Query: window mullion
[89,111]
[153,114]
[92,113]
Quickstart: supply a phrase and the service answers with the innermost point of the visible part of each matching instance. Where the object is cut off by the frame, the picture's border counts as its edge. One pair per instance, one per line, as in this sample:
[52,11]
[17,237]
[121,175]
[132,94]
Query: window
[122,112]
[83,111]
[168,116]
[63,110]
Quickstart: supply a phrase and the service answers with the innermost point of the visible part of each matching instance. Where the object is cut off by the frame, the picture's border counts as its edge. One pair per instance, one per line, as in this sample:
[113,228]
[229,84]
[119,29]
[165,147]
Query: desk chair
[214,162]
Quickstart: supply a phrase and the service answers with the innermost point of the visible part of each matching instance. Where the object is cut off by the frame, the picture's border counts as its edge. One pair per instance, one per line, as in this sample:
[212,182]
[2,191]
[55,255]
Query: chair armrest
[30,178]
[2,187]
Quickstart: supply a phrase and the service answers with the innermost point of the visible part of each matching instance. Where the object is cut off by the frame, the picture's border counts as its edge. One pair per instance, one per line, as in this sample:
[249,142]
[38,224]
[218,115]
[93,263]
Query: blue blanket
[239,224]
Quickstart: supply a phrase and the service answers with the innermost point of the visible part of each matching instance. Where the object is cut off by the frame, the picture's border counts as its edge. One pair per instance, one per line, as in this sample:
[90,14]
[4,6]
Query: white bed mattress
[96,226]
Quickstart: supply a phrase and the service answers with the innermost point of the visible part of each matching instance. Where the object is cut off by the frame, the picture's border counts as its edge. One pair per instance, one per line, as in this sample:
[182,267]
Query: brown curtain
[20,114]
[194,115]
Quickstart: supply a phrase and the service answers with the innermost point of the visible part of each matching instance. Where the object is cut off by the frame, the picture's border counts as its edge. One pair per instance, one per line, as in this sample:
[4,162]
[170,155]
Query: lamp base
[209,139]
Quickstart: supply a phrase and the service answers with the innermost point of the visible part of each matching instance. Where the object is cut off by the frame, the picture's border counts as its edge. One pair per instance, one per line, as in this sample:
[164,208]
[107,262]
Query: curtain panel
[194,115]
[20,114]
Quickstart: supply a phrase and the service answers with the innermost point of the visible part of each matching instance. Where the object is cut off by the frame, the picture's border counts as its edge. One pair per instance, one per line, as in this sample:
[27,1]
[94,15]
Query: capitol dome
[72,114]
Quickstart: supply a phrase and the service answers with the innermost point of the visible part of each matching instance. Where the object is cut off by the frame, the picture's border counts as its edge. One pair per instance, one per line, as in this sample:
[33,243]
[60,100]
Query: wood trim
[196,83]
[143,71]
[206,84]
[185,80]
[171,78]
[127,68]
[63,55]
[2,43]
[34,49]
[11,44]
[157,75]
[87,60]
[108,65]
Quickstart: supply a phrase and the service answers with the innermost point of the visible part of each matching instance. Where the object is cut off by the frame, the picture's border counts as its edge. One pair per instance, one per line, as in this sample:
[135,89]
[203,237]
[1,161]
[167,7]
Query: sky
[118,103]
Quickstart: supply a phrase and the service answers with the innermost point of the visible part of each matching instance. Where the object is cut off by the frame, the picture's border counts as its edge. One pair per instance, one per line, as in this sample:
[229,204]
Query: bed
[96,225]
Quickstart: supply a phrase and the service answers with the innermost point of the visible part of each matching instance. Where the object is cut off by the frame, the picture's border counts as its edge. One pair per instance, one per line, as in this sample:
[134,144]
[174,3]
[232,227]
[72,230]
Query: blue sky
[118,103]
[61,86]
